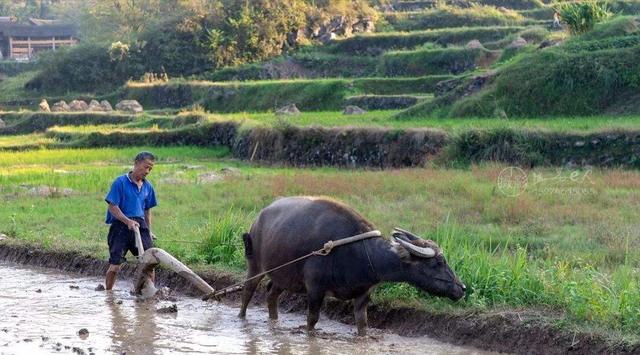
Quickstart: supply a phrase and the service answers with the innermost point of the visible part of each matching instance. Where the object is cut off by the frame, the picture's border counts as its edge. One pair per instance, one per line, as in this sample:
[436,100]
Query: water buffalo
[294,226]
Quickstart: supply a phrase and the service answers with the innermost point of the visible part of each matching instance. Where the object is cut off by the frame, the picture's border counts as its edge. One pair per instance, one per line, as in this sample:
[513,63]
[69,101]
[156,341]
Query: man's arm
[117,213]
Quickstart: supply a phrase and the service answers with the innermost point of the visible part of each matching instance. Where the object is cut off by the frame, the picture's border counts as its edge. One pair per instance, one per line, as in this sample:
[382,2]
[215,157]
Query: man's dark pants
[121,239]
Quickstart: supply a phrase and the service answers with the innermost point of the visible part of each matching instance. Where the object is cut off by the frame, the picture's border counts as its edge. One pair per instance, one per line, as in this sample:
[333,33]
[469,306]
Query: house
[23,41]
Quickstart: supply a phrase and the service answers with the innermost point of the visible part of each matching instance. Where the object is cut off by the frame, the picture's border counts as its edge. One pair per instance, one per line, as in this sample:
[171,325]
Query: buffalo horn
[424,252]
[408,234]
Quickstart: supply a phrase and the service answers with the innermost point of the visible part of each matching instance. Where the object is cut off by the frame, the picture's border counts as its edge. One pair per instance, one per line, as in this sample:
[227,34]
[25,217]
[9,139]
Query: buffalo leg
[272,300]
[360,309]
[315,303]
[247,293]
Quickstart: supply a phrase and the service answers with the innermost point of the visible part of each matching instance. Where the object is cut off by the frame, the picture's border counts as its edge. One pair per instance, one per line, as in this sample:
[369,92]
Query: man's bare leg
[110,279]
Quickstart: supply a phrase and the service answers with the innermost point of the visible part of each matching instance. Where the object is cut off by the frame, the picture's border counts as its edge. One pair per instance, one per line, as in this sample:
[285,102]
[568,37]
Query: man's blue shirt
[132,201]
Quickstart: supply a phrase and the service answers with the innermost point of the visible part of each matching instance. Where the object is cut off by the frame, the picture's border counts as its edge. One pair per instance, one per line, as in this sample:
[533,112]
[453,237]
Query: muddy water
[42,311]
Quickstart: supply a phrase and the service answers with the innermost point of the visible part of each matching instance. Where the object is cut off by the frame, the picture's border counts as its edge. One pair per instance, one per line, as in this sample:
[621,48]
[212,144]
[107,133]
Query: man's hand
[132,224]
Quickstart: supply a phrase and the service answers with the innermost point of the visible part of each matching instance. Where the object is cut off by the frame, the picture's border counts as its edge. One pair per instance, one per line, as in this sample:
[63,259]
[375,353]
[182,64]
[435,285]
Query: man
[130,201]
[556,19]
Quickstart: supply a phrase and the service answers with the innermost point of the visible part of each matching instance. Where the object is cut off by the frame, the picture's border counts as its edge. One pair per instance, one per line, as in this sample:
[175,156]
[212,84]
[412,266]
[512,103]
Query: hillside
[483,59]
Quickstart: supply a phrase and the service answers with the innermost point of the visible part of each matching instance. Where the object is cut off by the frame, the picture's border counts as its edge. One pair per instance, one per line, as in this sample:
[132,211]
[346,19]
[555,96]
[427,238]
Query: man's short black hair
[145,156]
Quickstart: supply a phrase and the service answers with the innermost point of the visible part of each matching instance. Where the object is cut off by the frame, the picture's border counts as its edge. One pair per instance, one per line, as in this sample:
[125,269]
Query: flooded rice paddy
[45,311]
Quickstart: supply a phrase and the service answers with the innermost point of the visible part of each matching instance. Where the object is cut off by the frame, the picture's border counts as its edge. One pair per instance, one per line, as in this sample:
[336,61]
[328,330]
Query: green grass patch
[25,141]
[29,122]
[313,95]
[554,82]
[387,119]
[513,4]
[12,88]
[307,64]
[542,249]
[379,42]
[328,65]
[399,86]
[12,68]
[595,74]
[449,17]
[616,27]
[533,35]
[376,118]
[435,61]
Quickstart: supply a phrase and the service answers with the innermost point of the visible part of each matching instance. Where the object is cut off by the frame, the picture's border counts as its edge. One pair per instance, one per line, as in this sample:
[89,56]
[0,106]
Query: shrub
[582,16]
[87,67]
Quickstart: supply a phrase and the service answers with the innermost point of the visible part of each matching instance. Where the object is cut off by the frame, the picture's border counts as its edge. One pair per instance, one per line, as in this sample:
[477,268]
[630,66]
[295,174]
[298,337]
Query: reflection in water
[48,322]
[131,337]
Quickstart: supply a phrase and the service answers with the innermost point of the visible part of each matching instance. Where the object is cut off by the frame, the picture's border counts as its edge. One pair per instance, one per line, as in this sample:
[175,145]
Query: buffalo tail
[248,246]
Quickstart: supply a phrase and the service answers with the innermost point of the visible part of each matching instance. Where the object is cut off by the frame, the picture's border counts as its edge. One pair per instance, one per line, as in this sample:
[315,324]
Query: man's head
[143,164]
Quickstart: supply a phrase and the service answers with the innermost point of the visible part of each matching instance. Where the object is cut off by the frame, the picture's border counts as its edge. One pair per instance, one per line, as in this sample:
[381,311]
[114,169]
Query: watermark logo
[513,181]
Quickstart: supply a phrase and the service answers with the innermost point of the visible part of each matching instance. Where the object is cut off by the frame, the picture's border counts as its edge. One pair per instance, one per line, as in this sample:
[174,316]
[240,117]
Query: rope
[326,249]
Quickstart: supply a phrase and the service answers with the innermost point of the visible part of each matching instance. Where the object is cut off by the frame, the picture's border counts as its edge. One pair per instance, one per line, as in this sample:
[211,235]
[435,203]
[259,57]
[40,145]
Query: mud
[513,331]
[92,322]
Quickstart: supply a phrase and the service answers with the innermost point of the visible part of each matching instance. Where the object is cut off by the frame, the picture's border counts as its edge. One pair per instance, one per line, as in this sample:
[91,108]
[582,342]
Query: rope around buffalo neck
[326,250]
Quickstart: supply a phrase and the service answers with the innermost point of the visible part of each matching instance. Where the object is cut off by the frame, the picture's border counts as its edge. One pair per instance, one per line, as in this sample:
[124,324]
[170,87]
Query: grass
[307,94]
[29,140]
[237,96]
[408,40]
[547,247]
[62,134]
[585,78]
[450,17]
[437,61]
[386,119]
[12,88]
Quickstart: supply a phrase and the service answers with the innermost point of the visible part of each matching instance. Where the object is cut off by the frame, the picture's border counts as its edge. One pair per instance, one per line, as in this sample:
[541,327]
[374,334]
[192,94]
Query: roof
[40,22]
[19,30]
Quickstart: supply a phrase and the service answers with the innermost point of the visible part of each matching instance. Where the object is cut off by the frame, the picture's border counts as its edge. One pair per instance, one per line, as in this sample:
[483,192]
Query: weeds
[223,245]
